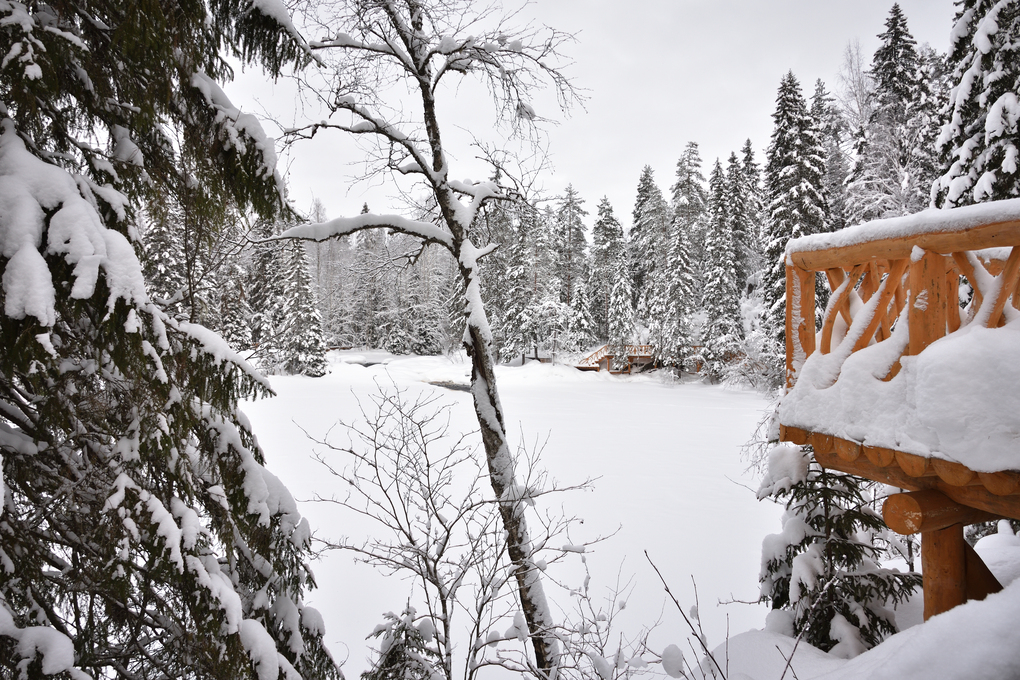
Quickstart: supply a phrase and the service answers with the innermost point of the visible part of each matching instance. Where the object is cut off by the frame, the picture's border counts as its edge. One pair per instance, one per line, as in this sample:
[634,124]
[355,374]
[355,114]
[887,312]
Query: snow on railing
[911,379]
[864,383]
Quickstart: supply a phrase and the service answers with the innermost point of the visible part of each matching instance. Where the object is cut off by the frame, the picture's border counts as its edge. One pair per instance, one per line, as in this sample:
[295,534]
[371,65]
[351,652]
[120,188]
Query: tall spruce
[981,139]
[885,181]
[648,238]
[796,207]
[571,245]
[142,536]
[833,133]
[607,247]
[722,330]
[303,348]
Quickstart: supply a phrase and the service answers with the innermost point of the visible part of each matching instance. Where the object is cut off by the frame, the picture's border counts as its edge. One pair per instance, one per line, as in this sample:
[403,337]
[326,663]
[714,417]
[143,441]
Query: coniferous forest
[154,273]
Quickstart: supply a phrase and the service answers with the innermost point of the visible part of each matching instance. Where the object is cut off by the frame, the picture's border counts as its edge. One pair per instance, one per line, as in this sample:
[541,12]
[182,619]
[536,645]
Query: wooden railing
[593,359]
[880,276]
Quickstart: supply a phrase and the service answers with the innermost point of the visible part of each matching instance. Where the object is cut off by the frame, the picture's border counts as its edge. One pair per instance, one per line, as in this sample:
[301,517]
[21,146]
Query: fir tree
[793,184]
[570,241]
[621,315]
[607,247]
[648,238]
[141,535]
[404,652]
[234,310]
[303,349]
[981,139]
[823,566]
[722,333]
[581,330]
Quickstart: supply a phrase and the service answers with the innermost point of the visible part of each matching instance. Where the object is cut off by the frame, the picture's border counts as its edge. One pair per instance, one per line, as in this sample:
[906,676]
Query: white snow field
[668,473]
[667,469]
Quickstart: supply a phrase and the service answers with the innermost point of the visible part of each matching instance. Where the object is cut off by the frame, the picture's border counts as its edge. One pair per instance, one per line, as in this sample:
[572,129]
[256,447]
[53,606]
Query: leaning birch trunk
[489,410]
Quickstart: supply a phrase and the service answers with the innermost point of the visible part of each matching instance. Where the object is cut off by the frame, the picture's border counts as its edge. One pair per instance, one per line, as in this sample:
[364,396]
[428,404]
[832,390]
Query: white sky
[658,73]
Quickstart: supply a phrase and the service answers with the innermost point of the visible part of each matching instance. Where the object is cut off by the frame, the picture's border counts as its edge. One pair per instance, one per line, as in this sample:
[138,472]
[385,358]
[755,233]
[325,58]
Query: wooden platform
[891,272]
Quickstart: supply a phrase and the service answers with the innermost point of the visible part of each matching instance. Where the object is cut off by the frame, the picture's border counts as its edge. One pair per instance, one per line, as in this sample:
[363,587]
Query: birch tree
[376,50]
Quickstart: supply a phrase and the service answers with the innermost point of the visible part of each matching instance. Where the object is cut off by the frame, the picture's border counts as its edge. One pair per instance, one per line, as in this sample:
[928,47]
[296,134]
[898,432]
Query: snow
[28,187]
[663,457]
[348,225]
[952,401]
[1001,553]
[927,221]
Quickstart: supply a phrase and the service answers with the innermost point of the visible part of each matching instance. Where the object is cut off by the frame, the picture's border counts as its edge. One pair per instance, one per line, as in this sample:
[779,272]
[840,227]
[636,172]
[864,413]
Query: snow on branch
[341,226]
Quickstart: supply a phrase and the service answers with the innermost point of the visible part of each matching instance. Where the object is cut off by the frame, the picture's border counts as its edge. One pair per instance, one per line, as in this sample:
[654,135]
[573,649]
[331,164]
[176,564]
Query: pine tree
[754,203]
[404,652]
[141,535]
[571,244]
[581,327]
[823,566]
[303,349]
[648,238]
[607,247]
[266,298]
[885,181]
[163,261]
[621,315]
[982,138]
[796,206]
[722,331]
[234,310]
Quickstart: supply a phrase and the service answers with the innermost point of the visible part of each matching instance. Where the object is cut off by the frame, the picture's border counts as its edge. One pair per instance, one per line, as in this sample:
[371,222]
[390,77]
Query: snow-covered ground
[668,475]
[665,460]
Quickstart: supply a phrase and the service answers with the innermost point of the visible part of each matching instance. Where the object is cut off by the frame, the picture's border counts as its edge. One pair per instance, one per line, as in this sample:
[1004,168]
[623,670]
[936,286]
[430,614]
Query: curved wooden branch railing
[916,267]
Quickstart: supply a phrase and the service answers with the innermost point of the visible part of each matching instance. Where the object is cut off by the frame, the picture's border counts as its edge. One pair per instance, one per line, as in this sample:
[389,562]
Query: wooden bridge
[896,289]
[636,356]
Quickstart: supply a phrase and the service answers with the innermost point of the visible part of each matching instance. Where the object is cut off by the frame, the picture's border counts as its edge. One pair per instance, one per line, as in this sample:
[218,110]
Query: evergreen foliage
[981,137]
[303,350]
[571,251]
[141,535]
[608,246]
[823,566]
[621,314]
[796,206]
[404,653]
[648,238]
[722,333]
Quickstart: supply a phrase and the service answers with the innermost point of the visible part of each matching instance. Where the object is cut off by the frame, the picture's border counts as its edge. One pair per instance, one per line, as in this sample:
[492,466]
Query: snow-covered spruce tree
[833,133]
[404,651]
[689,200]
[885,182]
[621,315]
[981,136]
[722,331]
[265,294]
[606,249]
[570,242]
[303,349]
[234,311]
[581,334]
[141,537]
[796,206]
[822,567]
[429,45]
[648,239]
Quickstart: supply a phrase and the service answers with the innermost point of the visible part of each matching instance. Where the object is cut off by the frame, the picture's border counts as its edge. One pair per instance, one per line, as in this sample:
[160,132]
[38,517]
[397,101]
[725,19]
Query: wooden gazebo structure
[894,289]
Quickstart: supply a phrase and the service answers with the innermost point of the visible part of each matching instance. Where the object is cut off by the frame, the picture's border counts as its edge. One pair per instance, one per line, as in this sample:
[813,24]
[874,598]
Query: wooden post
[927,316]
[944,568]
[800,319]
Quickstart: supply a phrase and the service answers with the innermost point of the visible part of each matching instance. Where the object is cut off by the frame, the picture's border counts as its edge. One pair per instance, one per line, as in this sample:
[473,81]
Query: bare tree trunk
[491,421]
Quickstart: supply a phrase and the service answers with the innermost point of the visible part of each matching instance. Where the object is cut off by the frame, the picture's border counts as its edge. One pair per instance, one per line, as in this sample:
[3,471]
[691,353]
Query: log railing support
[953,573]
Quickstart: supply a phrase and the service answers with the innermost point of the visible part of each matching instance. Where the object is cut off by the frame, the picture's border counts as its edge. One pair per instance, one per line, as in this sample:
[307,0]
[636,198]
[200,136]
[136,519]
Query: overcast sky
[658,73]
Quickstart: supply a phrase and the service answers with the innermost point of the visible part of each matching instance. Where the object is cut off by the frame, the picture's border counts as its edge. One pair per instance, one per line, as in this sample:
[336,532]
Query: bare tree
[390,62]
[420,484]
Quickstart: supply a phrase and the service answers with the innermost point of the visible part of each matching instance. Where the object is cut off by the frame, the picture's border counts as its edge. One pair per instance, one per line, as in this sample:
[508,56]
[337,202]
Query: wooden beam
[944,569]
[928,510]
[978,497]
[995,235]
[981,582]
